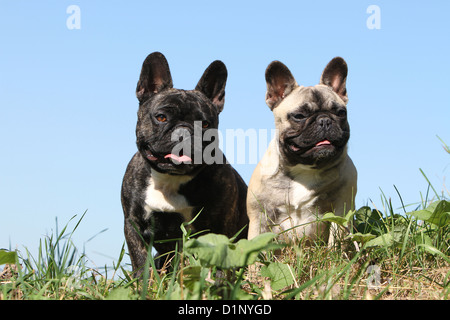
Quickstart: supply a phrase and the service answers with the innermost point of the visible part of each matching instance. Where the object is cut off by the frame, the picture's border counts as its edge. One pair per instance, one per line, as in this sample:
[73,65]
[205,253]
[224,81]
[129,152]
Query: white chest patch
[299,204]
[162,195]
[299,211]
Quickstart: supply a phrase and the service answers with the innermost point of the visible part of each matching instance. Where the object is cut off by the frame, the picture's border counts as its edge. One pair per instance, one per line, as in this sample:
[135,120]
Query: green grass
[411,263]
[399,254]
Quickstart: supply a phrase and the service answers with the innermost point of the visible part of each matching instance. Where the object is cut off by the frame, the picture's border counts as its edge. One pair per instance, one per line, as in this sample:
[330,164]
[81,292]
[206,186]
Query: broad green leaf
[422,239]
[218,250]
[279,274]
[121,294]
[369,221]
[211,249]
[361,237]
[7,257]
[365,213]
[437,213]
[191,275]
[399,232]
[249,249]
[384,240]
[331,217]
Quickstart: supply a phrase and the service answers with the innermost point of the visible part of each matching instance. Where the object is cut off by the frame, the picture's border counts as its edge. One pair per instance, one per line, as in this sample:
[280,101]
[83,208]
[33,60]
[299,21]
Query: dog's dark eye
[299,116]
[341,113]
[205,124]
[161,118]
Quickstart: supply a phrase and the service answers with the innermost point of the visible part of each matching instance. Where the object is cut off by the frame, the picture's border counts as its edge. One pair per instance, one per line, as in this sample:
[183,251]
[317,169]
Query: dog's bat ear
[280,83]
[335,76]
[155,76]
[212,83]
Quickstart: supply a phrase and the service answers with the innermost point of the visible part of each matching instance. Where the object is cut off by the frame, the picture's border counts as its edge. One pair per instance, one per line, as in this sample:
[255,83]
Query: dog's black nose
[324,122]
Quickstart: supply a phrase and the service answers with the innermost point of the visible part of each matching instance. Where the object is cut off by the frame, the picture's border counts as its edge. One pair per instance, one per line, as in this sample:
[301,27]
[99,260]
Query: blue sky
[68,105]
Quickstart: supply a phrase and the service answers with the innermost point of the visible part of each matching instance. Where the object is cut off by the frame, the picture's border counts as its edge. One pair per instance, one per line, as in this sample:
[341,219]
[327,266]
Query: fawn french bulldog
[306,170]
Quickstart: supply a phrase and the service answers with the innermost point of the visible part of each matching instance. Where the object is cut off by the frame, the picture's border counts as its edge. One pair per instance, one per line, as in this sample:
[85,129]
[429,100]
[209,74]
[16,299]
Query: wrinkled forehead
[185,101]
[177,97]
[316,97]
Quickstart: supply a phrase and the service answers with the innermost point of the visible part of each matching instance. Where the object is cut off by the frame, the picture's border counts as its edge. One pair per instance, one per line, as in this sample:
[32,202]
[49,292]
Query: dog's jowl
[306,171]
[169,180]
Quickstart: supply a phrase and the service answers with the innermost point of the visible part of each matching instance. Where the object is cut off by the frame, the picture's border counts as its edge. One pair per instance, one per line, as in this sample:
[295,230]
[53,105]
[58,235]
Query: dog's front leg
[136,248]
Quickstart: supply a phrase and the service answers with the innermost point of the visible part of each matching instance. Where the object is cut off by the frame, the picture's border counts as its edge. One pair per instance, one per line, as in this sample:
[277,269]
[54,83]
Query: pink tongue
[183,158]
[324,142]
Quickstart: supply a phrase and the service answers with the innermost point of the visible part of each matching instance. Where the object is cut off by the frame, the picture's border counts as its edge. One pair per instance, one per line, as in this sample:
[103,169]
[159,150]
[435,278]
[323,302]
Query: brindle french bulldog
[162,188]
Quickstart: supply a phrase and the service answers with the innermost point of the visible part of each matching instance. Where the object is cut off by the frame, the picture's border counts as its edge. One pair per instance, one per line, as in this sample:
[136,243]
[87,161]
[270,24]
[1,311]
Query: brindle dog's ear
[212,83]
[280,83]
[335,76]
[155,76]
